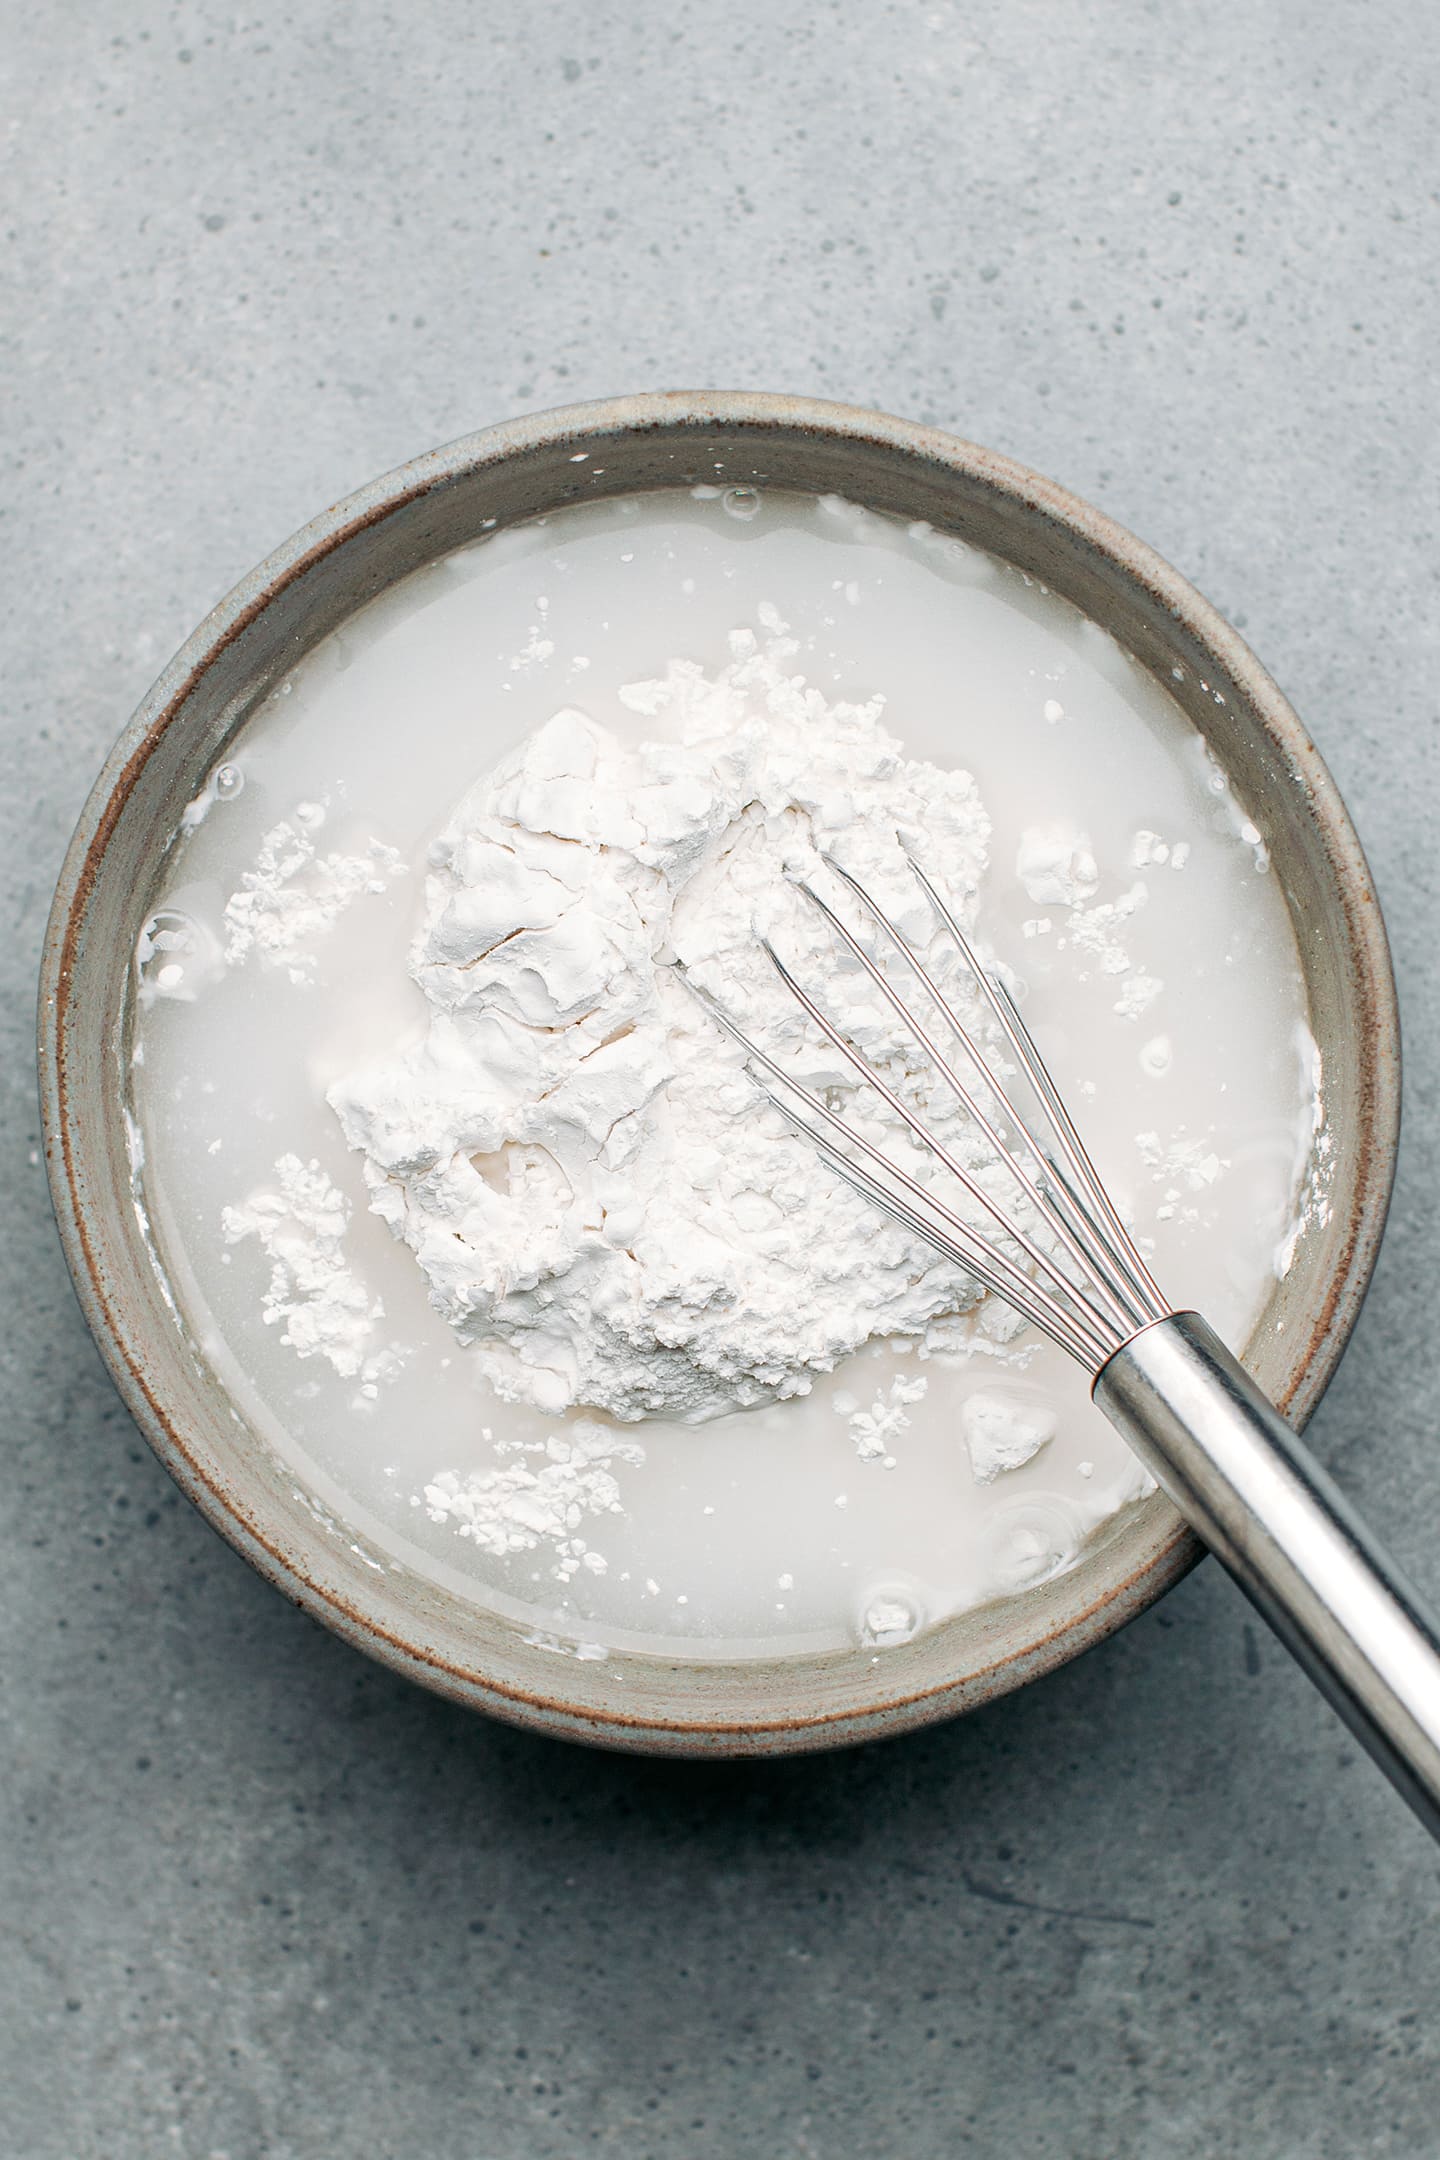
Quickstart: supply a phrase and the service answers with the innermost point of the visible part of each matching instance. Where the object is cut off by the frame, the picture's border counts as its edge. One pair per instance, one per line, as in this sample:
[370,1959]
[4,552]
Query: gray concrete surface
[259,1898]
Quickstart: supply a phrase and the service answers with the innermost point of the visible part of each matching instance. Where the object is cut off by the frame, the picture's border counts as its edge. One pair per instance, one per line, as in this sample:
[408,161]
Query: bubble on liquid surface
[1033,1541]
[891,1614]
[966,564]
[741,502]
[175,956]
[228,782]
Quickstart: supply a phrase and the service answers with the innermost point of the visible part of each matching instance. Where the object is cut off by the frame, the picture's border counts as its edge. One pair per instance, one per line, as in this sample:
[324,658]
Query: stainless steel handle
[1265,1508]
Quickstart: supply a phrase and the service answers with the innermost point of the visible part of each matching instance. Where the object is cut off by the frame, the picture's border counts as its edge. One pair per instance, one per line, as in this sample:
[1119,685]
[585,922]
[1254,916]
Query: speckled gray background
[260,1898]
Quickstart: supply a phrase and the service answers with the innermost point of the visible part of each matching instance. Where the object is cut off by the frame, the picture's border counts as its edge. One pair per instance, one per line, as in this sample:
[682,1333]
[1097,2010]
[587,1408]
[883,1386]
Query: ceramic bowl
[342,561]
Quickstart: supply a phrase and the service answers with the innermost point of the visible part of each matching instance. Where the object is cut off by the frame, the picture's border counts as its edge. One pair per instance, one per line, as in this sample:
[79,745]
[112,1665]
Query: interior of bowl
[336,565]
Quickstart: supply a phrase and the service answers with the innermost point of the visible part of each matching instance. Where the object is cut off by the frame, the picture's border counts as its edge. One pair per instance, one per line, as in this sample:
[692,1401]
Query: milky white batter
[477,1210]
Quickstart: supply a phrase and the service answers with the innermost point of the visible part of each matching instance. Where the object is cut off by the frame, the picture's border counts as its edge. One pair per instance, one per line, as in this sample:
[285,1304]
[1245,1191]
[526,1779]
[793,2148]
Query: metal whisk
[1061,1256]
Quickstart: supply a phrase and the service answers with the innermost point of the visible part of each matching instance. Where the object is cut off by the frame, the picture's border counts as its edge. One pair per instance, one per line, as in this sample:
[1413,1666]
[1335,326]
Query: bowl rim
[684,412]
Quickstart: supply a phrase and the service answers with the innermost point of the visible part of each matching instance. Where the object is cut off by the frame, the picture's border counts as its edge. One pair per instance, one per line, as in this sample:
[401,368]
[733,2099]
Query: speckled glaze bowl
[337,564]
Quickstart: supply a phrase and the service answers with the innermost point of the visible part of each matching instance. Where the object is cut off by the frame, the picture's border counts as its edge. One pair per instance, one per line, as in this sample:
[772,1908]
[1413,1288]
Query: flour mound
[598,1193]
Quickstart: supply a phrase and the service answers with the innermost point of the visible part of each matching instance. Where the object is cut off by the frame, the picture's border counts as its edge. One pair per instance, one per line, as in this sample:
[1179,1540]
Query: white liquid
[763,1531]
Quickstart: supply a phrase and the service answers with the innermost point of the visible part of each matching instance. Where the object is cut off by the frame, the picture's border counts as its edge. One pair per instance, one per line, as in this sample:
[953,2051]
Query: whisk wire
[1071,1145]
[1037,1254]
[1115,1295]
[983,1259]
[1076,1234]
[963,1246]
[1018,1291]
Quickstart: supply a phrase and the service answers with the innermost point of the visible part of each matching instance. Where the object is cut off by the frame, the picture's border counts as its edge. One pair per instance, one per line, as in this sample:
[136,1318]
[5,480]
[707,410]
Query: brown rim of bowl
[683,417]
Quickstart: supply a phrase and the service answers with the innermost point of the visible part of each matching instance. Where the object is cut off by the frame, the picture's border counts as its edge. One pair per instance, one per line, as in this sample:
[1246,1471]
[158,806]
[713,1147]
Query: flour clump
[600,1197]
[293,895]
[321,1306]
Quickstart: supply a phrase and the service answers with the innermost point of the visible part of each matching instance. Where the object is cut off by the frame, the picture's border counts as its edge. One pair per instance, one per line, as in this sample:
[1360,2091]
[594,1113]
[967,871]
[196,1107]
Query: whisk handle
[1289,1537]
